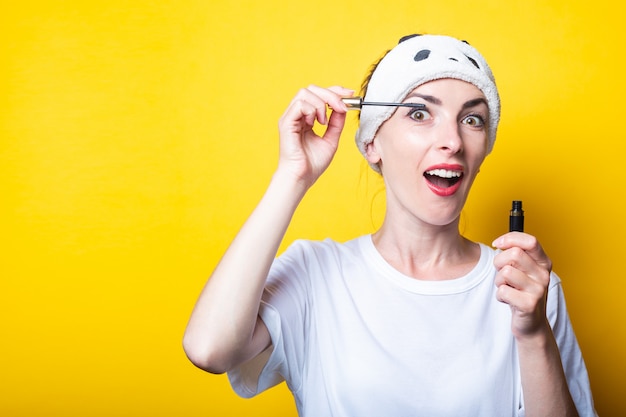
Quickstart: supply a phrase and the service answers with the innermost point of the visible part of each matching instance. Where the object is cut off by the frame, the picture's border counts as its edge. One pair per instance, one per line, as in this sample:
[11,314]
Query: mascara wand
[355,103]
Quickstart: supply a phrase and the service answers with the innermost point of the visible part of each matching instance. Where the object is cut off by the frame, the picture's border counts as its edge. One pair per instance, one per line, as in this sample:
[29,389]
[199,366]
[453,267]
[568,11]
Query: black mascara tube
[516,218]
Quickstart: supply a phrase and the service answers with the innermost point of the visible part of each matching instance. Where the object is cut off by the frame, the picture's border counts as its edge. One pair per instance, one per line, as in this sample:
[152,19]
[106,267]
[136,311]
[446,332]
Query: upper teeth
[444,173]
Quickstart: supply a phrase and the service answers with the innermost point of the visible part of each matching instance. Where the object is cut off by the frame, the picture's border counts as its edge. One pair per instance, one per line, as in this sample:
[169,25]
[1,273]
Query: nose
[449,139]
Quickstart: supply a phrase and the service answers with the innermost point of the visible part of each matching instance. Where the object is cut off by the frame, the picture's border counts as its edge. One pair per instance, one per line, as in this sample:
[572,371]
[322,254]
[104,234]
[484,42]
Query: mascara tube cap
[353,103]
[516,219]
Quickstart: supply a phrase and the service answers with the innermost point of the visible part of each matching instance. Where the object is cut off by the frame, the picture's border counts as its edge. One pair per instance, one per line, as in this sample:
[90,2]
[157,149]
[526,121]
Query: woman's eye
[474,120]
[419,115]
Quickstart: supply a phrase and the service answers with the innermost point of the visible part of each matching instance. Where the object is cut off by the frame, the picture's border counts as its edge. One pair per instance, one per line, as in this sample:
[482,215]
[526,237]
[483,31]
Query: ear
[372,152]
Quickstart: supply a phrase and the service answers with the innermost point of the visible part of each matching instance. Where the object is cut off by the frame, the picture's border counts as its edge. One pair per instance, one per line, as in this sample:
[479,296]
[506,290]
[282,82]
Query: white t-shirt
[353,337]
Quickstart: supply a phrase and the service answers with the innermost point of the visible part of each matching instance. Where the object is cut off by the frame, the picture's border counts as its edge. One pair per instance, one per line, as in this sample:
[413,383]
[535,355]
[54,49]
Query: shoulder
[303,249]
[318,257]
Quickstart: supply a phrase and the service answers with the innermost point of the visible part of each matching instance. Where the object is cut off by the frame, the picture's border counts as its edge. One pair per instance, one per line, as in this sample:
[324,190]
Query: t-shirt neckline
[479,272]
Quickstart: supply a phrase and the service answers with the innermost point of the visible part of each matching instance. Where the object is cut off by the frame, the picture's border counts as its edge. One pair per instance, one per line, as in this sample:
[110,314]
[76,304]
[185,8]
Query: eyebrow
[430,99]
[438,102]
[475,102]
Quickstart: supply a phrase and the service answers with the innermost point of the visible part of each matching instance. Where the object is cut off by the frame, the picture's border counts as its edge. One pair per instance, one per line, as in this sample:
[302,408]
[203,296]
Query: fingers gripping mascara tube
[516,218]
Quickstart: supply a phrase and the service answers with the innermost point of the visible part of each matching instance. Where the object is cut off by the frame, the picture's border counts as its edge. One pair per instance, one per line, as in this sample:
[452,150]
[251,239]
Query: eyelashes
[419,114]
[423,114]
[475,120]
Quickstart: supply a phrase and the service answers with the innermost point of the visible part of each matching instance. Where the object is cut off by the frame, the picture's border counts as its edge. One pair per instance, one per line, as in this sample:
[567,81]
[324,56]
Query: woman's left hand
[522,280]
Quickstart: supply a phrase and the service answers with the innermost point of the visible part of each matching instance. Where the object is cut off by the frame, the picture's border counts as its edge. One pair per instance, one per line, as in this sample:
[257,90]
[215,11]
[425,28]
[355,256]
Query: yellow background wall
[136,136]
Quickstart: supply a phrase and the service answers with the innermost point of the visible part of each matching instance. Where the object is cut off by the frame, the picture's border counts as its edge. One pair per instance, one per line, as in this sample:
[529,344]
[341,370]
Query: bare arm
[523,278]
[224,329]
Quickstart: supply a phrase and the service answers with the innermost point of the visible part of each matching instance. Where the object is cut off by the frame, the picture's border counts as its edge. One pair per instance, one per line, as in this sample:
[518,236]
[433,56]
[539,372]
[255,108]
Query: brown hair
[368,77]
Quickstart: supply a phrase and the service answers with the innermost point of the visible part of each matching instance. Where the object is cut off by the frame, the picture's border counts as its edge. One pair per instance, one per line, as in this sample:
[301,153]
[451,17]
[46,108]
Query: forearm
[522,282]
[221,328]
[543,380]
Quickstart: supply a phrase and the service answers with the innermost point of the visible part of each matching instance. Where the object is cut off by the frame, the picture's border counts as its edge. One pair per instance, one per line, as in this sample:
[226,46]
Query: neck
[427,252]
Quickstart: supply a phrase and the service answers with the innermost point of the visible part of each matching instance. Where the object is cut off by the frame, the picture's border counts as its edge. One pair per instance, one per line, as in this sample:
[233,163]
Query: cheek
[403,162]
[476,165]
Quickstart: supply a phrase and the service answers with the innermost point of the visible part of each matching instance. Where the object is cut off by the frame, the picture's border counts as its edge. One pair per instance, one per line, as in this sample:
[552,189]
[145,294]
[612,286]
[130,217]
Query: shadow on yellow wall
[135,137]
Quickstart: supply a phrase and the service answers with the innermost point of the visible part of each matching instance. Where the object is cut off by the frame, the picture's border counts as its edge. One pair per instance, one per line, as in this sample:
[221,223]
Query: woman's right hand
[303,153]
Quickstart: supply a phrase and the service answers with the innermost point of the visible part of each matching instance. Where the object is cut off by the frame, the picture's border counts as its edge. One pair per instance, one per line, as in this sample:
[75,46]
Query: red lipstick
[444,179]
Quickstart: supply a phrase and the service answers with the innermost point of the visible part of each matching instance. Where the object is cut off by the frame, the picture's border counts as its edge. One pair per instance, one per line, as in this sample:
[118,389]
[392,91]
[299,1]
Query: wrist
[287,180]
[538,340]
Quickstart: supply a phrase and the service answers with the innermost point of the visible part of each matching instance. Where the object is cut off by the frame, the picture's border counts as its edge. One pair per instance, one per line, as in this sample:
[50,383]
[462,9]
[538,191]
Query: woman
[414,319]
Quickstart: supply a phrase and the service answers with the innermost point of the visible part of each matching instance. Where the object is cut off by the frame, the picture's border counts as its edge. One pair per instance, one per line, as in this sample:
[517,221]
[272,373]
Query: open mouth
[443,181]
